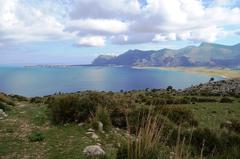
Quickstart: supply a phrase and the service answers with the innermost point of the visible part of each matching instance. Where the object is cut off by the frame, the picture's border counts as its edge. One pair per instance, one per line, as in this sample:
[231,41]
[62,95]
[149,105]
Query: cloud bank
[97,23]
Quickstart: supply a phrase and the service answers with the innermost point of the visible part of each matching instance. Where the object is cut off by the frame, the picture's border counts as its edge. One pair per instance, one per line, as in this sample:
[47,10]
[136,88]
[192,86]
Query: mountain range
[206,54]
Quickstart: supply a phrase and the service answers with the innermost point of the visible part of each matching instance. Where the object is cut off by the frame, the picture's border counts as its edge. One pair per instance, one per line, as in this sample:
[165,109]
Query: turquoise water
[39,81]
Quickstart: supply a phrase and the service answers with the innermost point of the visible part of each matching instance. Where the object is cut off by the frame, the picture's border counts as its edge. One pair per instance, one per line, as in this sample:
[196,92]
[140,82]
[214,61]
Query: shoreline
[221,72]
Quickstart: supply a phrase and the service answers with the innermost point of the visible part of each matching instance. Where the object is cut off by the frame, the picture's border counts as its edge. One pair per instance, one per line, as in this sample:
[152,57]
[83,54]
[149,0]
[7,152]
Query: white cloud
[97,26]
[21,22]
[97,41]
[158,20]
[160,37]
[103,9]
[94,22]
[208,34]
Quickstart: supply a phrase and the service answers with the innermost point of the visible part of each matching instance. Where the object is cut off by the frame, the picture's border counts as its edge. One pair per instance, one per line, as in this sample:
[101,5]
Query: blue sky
[77,31]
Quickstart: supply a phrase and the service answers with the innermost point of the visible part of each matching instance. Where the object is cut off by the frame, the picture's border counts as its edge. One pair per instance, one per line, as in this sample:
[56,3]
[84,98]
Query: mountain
[206,54]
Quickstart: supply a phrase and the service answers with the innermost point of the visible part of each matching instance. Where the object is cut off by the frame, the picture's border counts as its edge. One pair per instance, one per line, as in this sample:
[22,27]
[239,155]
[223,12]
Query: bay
[40,81]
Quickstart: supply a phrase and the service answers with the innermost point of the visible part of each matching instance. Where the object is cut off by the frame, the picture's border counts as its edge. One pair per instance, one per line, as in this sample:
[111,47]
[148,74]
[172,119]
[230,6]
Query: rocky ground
[223,87]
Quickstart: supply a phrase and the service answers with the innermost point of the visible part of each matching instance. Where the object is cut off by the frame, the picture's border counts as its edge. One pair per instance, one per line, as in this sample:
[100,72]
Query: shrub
[226,100]
[194,99]
[233,125]
[206,99]
[236,125]
[184,100]
[170,100]
[158,101]
[36,136]
[63,108]
[229,153]
[19,98]
[122,152]
[85,106]
[102,115]
[4,107]
[179,115]
[36,100]
[5,99]
[118,118]
[169,88]
[205,137]
[135,117]
[209,141]
[75,108]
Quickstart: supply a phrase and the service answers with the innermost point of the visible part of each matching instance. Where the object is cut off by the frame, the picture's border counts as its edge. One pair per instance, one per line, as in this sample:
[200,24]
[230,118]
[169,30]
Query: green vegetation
[137,124]
[102,115]
[146,140]
[36,136]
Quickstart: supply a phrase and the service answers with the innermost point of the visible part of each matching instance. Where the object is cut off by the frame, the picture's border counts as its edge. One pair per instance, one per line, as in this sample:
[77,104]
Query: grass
[59,141]
[69,140]
[211,115]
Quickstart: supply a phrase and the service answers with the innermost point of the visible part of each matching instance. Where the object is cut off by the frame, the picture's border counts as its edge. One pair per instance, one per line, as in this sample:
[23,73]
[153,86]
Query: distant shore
[222,72]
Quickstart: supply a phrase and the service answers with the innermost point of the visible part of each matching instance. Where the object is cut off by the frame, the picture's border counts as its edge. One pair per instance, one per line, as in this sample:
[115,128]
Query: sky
[77,31]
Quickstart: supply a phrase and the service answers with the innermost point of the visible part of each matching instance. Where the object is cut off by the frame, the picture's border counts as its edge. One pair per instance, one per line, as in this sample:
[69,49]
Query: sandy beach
[222,72]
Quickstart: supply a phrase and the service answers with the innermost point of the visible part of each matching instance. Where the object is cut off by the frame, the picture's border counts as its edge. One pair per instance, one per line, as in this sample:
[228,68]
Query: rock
[66,124]
[223,87]
[118,144]
[80,124]
[94,150]
[94,136]
[2,114]
[87,133]
[91,130]
[228,122]
[100,126]
[172,154]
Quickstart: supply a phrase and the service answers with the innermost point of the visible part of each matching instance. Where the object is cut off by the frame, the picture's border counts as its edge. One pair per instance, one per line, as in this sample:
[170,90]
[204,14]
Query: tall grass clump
[180,151]
[151,140]
[146,142]
[102,115]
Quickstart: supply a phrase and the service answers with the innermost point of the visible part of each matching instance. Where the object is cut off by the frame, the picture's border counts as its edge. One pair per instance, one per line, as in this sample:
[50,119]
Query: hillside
[223,87]
[164,124]
[206,54]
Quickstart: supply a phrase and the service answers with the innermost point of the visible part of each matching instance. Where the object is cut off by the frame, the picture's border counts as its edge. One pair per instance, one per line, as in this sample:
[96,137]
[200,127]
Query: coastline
[222,72]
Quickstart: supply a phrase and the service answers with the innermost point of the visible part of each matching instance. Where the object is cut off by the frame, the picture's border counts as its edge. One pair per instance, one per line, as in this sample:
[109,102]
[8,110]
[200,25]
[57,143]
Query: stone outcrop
[223,87]
[2,114]
[94,151]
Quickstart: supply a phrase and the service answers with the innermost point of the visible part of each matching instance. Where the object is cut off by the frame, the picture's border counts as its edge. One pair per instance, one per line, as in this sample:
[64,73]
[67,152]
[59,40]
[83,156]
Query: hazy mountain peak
[134,51]
[207,44]
[203,44]
[206,54]
[105,56]
[237,45]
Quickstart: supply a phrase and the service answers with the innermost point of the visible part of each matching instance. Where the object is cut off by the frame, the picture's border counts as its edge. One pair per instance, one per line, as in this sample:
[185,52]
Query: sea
[42,81]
